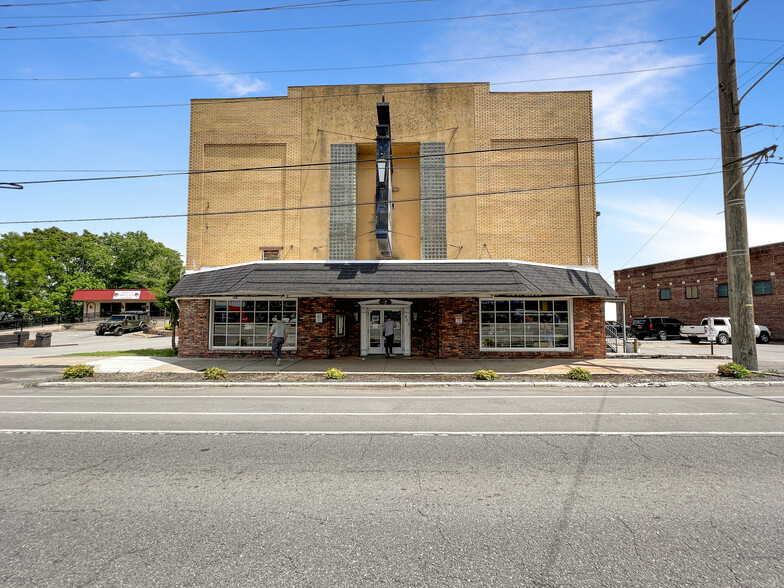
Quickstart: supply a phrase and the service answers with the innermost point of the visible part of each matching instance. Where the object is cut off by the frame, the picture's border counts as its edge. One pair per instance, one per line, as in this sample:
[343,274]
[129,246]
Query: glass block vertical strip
[342,200]
[432,185]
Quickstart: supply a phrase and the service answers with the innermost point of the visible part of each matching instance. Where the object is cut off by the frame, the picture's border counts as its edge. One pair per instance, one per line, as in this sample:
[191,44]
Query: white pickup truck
[722,329]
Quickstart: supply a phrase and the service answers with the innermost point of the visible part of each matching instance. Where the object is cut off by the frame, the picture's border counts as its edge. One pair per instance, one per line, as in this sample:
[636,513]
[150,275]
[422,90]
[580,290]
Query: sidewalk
[400,365]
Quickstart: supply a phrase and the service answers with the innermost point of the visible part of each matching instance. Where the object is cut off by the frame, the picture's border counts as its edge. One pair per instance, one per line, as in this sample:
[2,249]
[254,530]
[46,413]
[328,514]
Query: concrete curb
[393,384]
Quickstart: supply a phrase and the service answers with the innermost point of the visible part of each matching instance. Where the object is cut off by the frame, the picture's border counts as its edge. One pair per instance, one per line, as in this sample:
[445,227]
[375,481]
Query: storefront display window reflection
[525,325]
[246,323]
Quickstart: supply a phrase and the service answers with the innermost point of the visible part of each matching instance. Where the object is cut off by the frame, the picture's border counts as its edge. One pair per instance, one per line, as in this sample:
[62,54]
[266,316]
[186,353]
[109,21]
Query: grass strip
[145,352]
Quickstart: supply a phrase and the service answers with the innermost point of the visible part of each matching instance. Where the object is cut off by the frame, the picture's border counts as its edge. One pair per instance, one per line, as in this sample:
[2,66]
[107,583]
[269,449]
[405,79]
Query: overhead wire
[489,165]
[242,100]
[356,204]
[329,164]
[376,66]
[28,4]
[329,27]
[356,4]
[682,114]
[323,3]
[738,77]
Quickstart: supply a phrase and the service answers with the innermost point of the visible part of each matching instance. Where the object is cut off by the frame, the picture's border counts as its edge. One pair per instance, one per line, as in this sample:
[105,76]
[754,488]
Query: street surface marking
[414,433]
[377,414]
[728,396]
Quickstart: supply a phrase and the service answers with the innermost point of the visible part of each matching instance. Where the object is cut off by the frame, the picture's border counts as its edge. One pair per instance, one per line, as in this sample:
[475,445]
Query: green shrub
[733,370]
[215,373]
[80,370]
[334,374]
[485,375]
[579,374]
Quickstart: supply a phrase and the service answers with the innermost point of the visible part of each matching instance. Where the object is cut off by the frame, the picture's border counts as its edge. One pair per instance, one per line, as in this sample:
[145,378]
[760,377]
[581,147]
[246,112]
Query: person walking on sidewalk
[389,335]
[278,334]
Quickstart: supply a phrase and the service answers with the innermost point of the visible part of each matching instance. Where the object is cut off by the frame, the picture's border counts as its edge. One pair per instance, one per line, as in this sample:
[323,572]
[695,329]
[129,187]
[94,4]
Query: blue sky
[641,221]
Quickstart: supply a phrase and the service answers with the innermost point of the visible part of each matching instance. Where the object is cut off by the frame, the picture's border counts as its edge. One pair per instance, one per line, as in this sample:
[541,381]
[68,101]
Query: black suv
[124,323]
[660,327]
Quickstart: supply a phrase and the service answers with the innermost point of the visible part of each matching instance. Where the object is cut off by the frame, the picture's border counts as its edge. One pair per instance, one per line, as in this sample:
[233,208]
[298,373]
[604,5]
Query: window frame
[688,289]
[570,324]
[754,287]
[661,293]
[726,288]
[291,342]
[275,253]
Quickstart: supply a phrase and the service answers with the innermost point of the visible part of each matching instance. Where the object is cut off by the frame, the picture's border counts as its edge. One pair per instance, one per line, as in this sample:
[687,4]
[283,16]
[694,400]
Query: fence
[38,320]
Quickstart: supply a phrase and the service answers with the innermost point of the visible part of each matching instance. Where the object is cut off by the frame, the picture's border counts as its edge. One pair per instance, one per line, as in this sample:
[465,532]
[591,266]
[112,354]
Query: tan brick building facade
[282,224]
[539,203]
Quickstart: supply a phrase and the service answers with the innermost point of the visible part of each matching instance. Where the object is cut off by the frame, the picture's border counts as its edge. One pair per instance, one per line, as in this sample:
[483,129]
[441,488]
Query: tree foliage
[40,270]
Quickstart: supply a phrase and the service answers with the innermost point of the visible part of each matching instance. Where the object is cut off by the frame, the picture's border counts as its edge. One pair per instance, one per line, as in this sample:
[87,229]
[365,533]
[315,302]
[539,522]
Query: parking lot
[69,341]
[770,355]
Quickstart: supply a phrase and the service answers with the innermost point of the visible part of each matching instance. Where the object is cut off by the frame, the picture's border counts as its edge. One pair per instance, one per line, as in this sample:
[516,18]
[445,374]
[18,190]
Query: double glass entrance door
[377,317]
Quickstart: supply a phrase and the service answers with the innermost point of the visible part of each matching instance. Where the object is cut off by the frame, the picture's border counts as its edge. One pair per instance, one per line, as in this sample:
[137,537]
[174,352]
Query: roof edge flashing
[584,268]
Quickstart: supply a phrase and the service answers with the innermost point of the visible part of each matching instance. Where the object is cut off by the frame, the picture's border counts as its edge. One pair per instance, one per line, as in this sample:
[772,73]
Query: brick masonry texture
[641,285]
[434,333]
[306,126]
[526,187]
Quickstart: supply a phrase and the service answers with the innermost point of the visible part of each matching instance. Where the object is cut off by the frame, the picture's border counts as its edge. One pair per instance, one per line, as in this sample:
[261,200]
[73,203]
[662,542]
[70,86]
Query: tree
[23,263]
[169,305]
[140,262]
[40,270]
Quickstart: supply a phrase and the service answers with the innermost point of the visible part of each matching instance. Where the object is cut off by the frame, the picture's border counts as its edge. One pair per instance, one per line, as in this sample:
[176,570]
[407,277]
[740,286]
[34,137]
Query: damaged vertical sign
[384,203]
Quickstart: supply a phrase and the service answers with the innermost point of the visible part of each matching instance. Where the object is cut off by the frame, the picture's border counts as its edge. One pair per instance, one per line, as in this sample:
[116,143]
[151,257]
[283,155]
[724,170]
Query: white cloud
[697,230]
[173,53]
[622,103]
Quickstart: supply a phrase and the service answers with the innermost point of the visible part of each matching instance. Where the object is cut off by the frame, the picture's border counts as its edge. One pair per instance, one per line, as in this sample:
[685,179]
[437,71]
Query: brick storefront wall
[641,286]
[434,334]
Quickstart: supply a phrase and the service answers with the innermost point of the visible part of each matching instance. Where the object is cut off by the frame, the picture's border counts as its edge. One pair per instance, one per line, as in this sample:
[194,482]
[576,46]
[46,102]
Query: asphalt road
[416,487]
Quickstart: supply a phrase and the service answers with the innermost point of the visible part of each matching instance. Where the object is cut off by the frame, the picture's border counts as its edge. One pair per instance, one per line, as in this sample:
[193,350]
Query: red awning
[125,295]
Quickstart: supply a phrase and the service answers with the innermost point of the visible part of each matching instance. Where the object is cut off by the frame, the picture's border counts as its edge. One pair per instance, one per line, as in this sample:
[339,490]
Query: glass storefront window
[246,323]
[525,324]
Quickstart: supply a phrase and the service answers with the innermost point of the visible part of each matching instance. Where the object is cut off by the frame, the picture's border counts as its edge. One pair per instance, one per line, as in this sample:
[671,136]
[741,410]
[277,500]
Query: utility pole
[744,350]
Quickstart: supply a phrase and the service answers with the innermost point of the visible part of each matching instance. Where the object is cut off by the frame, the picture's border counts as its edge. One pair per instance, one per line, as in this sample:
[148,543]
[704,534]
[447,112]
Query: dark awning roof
[394,278]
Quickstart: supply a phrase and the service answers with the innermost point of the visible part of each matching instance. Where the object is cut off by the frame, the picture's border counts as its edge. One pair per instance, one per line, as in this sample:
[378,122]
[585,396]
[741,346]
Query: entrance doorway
[377,339]
[371,325]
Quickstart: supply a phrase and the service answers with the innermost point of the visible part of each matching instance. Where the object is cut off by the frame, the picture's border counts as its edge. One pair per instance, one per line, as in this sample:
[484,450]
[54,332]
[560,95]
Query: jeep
[124,323]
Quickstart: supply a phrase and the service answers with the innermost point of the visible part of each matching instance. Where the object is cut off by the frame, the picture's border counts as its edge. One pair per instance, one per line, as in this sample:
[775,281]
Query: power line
[674,212]
[427,88]
[682,114]
[327,27]
[748,71]
[324,3]
[48,3]
[498,165]
[195,12]
[355,204]
[355,161]
[376,66]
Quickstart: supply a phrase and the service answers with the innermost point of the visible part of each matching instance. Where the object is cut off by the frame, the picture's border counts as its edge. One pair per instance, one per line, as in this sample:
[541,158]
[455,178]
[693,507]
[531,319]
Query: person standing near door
[389,335]
[277,334]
